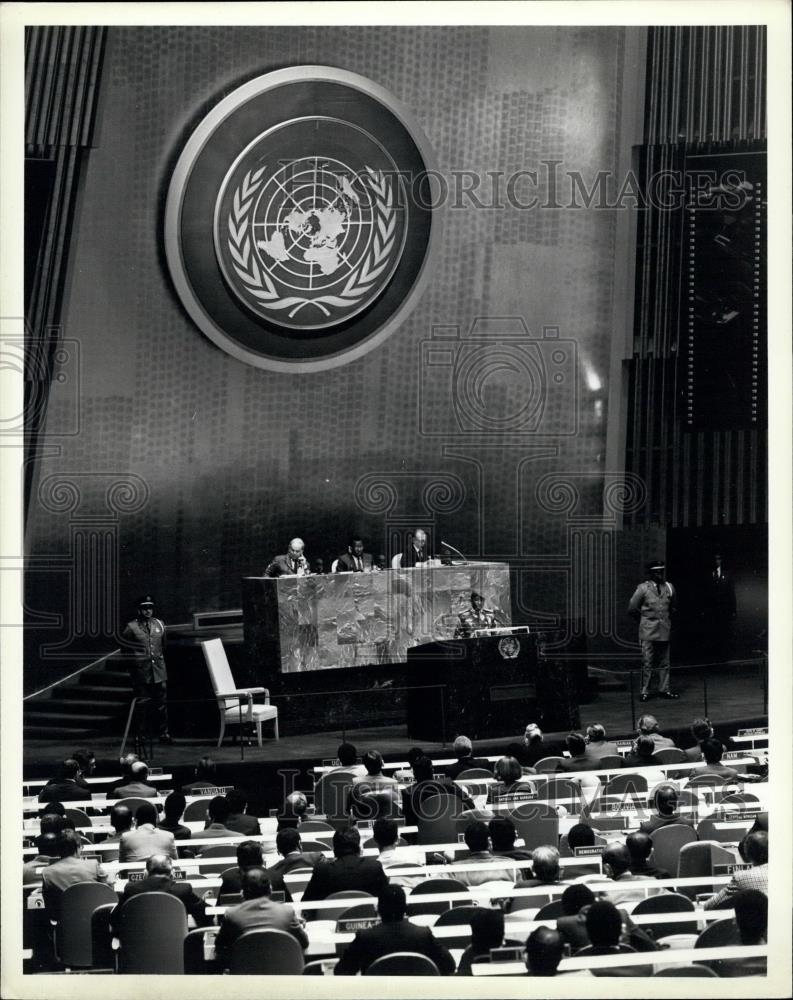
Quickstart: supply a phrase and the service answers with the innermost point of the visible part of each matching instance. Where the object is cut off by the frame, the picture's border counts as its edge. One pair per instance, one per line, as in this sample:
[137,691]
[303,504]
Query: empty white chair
[236,705]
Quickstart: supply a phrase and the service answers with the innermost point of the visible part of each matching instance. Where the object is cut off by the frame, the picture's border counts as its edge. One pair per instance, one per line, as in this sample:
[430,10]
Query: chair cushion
[260,713]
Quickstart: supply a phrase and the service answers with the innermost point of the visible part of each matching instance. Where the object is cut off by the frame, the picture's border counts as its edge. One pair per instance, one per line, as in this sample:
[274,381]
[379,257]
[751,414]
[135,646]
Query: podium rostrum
[493,686]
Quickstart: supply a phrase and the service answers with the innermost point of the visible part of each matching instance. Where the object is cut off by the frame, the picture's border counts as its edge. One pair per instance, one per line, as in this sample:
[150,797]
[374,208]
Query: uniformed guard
[477,616]
[653,603]
[149,675]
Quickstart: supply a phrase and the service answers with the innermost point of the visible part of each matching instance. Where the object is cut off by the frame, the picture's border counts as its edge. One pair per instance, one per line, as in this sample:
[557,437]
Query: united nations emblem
[314,245]
[509,647]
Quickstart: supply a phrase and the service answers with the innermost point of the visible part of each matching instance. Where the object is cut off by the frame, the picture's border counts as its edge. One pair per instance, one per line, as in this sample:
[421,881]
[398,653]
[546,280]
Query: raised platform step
[55,718]
[57,733]
[118,677]
[70,705]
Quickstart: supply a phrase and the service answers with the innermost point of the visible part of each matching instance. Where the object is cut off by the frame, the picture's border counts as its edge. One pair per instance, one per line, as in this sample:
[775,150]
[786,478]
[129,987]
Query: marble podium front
[296,624]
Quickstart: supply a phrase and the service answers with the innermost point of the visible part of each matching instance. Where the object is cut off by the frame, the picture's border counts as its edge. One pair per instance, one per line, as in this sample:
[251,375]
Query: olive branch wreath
[258,282]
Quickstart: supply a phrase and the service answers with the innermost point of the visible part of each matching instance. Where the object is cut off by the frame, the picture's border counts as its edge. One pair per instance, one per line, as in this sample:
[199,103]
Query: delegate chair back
[666,902]
[78,817]
[403,963]
[132,803]
[266,953]
[537,823]
[718,935]
[551,911]
[474,773]
[334,913]
[698,858]
[628,782]
[193,952]
[152,935]
[439,820]
[548,764]
[73,934]
[610,761]
[196,811]
[430,886]
[670,755]
[330,796]
[315,826]
[686,972]
[668,842]
[459,916]
[225,851]
[102,954]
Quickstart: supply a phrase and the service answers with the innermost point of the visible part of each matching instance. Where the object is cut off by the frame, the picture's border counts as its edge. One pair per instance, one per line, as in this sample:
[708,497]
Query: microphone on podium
[457,552]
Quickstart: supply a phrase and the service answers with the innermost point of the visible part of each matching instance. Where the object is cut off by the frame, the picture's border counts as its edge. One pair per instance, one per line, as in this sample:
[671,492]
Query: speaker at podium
[491,685]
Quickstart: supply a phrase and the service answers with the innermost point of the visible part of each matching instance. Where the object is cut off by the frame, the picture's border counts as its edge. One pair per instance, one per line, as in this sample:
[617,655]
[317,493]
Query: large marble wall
[300,624]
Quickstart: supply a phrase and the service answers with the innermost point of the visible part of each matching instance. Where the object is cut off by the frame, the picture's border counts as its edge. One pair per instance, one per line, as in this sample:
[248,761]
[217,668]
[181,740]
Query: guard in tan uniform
[653,603]
[149,675]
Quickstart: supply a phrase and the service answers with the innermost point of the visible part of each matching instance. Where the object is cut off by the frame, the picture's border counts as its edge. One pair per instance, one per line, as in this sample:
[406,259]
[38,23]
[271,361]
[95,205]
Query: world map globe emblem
[310,241]
[303,220]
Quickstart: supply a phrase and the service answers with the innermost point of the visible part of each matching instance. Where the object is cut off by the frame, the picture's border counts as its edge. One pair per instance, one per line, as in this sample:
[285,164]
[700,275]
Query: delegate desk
[295,625]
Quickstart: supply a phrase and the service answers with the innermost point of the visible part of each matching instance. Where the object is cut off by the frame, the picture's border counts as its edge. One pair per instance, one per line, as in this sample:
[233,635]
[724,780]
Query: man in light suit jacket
[69,869]
[395,933]
[136,787]
[145,840]
[294,563]
[257,912]
[159,878]
[754,849]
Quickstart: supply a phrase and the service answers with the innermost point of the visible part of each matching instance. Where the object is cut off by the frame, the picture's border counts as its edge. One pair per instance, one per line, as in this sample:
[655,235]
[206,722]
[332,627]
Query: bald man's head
[159,864]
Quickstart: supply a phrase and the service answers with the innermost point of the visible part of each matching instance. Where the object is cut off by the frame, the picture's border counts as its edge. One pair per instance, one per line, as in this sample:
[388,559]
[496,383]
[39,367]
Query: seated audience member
[348,760]
[640,847]
[53,809]
[68,869]
[580,835]
[576,900]
[712,750]
[641,756]
[424,786]
[369,804]
[533,748]
[385,833]
[487,932]
[477,840]
[159,878]
[348,870]
[374,777]
[205,776]
[47,847]
[173,810]
[257,911]
[648,726]
[394,934]
[604,928]
[120,817]
[463,750]
[218,813]
[136,787]
[249,855]
[578,759]
[753,849]
[616,862]
[701,730]
[751,916]
[665,799]
[146,839]
[502,838]
[292,811]
[65,787]
[86,760]
[509,779]
[760,823]
[288,845]
[545,868]
[238,820]
[406,774]
[125,763]
[596,744]
[544,951]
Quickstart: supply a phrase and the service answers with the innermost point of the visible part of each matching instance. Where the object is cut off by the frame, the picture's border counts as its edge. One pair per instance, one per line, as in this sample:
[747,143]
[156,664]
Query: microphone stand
[457,552]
